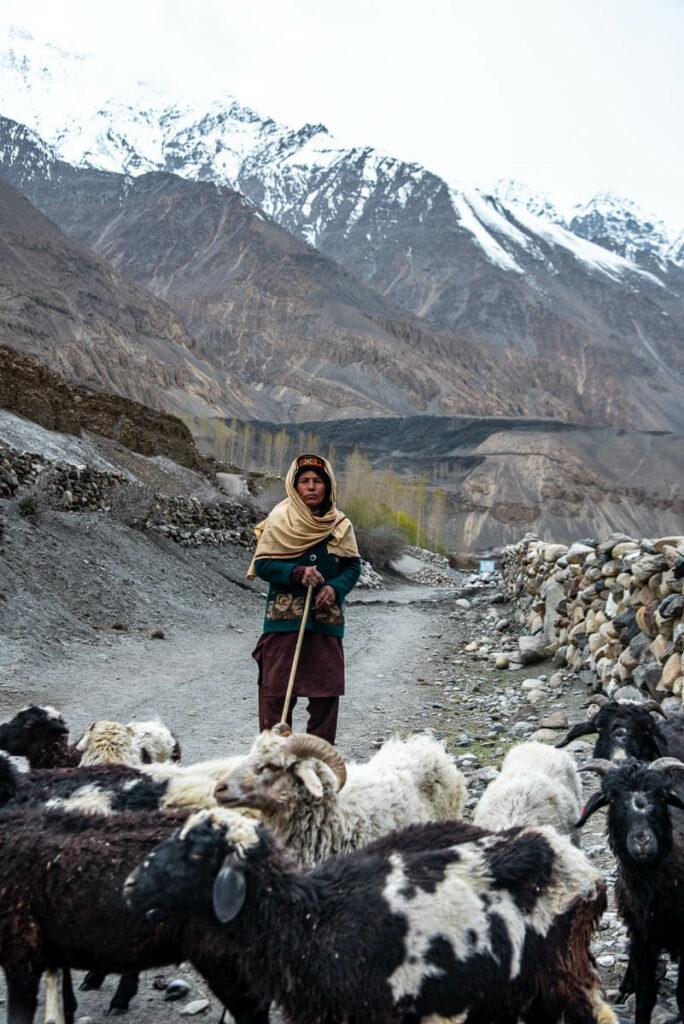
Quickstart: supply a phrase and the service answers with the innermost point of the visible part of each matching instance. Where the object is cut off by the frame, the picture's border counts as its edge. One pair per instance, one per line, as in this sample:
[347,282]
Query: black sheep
[41,735]
[61,907]
[649,888]
[387,935]
[628,730]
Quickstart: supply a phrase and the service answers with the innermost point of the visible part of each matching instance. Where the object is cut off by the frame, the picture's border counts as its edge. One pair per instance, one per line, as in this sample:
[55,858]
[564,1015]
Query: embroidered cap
[310,460]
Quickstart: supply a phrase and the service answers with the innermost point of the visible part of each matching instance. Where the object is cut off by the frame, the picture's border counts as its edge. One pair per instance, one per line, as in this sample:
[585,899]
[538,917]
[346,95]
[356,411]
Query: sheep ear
[229,892]
[145,756]
[304,770]
[580,729]
[596,802]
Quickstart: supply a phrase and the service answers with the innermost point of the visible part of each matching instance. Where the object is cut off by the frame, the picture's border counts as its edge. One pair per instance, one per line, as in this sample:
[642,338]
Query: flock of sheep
[342,893]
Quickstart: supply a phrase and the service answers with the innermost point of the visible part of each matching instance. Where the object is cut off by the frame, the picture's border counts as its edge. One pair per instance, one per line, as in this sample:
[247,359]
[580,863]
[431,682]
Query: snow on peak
[513,192]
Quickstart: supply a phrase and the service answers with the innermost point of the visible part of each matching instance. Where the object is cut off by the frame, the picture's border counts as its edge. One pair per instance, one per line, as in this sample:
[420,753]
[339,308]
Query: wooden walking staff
[295,660]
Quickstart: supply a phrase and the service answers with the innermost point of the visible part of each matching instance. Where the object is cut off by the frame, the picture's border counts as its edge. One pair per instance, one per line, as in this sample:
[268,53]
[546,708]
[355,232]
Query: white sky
[571,96]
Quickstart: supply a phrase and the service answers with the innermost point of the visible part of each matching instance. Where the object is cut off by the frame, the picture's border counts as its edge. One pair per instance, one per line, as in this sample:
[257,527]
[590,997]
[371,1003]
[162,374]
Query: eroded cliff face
[30,389]
[504,477]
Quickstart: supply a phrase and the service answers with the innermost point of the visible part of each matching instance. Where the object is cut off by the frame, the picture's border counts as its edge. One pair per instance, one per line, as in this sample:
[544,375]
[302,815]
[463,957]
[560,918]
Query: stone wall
[78,488]
[611,610]
[187,520]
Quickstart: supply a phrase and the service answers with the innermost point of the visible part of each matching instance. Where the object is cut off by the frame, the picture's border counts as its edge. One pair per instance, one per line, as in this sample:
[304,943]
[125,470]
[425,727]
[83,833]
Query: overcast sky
[571,96]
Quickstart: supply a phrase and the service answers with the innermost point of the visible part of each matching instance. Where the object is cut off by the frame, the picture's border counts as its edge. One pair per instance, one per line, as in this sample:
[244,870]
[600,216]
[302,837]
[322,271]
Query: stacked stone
[77,488]
[17,469]
[613,611]
[191,522]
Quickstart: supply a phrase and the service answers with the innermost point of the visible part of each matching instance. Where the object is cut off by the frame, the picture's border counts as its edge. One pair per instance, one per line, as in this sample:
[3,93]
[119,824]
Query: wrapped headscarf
[291,528]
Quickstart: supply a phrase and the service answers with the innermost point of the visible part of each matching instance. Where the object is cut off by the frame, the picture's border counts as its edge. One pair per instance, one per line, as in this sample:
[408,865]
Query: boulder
[533,648]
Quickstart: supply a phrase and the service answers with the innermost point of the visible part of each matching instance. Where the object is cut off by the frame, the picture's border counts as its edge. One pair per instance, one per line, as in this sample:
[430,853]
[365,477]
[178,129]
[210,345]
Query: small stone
[605,961]
[471,647]
[178,988]
[158,634]
[544,735]
[536,696]
[530,684]
[463,602]
[196,1006]
[628,693]
[532,648]
[502,625]
[521,729]
[556,720]
[502,661]
[84,1020]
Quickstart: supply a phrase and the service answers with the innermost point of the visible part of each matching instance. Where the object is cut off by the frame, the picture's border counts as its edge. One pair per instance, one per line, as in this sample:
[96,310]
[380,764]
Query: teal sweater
[285,601]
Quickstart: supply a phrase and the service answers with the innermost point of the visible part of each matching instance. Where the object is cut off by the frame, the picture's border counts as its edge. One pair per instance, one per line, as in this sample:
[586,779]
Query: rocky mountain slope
[486,271]
[60,302]
[504,477]
[296,335]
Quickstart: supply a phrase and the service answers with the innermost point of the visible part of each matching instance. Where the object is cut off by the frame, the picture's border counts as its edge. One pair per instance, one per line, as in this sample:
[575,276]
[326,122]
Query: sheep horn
[653,705]
[314,746]
[665,763]
[600,765]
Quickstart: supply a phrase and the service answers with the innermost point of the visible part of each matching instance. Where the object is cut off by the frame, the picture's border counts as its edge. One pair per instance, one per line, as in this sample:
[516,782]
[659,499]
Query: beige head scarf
[290,528]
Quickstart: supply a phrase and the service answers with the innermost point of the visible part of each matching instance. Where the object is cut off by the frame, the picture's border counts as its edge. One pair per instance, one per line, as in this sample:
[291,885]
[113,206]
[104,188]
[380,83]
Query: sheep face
[638,799]
[624,731]
[31,727]
[272,778]
[178,877]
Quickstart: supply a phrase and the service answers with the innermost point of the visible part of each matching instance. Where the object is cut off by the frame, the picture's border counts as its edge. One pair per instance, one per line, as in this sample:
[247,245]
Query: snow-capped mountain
[302,178]
[501,276]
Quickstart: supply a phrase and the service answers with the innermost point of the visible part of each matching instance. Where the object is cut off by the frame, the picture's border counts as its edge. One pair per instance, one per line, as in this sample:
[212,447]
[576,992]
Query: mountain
[599,333]
[294,333]
[60,302]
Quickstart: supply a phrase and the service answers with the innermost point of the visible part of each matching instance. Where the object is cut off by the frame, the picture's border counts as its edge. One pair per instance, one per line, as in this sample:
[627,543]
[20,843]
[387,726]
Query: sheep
[155,741]
[318,806]
[650,868]
[628,730]
[62,877]
[537,786]
[39,734]
[493,928]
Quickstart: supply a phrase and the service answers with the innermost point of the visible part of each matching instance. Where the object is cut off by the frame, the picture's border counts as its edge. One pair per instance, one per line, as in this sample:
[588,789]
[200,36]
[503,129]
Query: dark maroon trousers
[322,713]
[319,679]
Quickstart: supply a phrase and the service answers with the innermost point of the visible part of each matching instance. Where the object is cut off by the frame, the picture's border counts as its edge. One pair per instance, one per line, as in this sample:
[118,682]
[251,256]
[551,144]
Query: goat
[62,877]
[489,929]
[626,730]
[650,862]
[537,786]
[319,806]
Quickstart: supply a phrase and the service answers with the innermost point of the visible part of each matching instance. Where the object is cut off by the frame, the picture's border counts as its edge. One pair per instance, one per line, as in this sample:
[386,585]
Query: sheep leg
[125,990]
[70,1002]
[644,962]
[54,997]
[92,981]
[22,997]
[680,987]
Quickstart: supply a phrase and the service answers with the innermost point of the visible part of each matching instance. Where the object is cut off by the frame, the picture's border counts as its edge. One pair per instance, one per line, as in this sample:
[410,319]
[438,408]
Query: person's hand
[311,577]
[325,597]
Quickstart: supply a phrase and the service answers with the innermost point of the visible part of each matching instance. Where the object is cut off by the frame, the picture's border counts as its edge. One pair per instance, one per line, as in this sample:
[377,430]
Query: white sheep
[318,806]
[537,785]
[135,744]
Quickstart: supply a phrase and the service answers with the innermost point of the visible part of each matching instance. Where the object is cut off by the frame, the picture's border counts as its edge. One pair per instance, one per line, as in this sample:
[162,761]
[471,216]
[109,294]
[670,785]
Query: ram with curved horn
[318,805]
[626,730]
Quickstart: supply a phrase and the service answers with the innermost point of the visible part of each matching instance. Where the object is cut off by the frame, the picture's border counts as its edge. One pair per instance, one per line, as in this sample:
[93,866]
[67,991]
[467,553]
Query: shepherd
[305,541]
